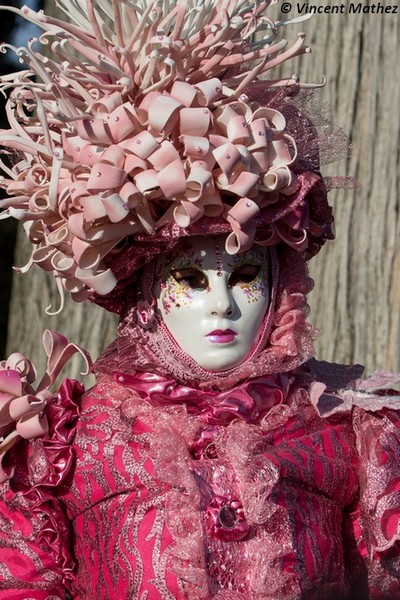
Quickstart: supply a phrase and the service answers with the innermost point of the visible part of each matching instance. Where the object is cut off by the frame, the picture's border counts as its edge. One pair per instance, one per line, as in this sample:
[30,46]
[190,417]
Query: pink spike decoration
[143,118]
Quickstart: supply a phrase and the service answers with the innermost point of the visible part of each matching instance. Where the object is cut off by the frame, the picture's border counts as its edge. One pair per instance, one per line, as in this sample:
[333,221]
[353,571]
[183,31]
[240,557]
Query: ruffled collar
[249,401]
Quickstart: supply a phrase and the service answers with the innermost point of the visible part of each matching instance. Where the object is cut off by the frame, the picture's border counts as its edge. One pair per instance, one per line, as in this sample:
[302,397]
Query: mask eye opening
[244,274]
[190,277]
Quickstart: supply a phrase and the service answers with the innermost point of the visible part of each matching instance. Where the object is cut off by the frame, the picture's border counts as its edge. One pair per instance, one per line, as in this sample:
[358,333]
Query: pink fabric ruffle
[42,472]
[151,134]
[249,401]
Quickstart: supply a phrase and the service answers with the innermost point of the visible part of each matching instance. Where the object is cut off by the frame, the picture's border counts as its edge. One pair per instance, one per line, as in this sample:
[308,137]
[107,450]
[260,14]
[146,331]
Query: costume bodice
[235,509]
[165,502]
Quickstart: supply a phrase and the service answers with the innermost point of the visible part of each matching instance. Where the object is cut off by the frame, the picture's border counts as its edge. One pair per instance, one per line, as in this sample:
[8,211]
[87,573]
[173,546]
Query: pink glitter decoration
[218,256]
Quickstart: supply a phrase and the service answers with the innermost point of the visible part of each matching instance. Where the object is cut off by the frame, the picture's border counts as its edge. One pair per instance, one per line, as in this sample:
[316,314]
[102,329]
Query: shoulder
[33,426]
[373,407]
[37,464]
[29,408]
[340,388]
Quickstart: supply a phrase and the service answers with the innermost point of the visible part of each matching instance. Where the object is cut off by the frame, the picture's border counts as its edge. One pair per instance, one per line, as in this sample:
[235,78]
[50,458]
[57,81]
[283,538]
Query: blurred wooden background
[357,294]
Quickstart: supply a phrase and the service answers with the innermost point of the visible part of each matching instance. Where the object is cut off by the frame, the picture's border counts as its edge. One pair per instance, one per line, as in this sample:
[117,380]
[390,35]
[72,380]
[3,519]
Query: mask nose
[221,302]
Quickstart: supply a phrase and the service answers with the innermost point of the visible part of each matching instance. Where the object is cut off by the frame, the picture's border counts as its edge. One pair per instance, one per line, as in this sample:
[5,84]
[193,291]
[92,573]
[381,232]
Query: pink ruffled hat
[130,136]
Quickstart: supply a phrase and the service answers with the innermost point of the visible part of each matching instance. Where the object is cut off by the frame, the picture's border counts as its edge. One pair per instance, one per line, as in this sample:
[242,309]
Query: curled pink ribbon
[23,404]
[111,144]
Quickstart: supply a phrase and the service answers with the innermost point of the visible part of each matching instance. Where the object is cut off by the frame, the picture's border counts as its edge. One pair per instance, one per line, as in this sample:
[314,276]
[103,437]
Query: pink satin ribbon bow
[22,407]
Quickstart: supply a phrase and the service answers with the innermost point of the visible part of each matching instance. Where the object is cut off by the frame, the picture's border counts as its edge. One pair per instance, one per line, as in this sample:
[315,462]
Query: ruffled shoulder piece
[374,406]
[338,389]
[26,407]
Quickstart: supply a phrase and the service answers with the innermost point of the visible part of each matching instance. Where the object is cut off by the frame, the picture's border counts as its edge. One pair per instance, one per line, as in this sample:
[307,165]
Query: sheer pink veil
[286,341]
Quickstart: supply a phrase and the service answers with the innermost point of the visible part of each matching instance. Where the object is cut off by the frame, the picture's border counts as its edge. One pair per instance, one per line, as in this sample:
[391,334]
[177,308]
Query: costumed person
[160,174]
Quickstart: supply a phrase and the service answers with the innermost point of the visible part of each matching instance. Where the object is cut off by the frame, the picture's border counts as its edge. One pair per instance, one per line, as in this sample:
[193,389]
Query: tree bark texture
[357,294]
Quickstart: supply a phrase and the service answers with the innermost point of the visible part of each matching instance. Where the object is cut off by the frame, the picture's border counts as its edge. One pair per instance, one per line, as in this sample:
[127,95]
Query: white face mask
[212,303]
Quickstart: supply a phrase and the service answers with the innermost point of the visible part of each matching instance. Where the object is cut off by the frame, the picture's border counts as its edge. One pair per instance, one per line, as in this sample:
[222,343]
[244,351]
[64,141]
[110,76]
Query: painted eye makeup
[190,277]
[244,275]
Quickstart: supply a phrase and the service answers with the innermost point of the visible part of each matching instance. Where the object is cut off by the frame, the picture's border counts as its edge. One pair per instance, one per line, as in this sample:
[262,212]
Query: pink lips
[221,336]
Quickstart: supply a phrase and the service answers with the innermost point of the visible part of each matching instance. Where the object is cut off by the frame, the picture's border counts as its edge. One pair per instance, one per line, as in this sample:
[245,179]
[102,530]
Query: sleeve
[371,527]
[36,562]
[28,565]
[375,521]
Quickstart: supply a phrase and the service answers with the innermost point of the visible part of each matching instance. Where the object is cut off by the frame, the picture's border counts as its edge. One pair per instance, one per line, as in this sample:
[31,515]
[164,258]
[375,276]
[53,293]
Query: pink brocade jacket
[282,488]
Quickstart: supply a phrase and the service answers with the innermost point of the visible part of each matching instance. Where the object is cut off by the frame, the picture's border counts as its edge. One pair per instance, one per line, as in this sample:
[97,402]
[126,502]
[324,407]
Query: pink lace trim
[290,342]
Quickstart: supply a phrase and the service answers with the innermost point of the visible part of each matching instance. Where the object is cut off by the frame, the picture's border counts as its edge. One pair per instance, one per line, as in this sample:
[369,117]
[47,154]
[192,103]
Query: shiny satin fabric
[249,401]
[283,505]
